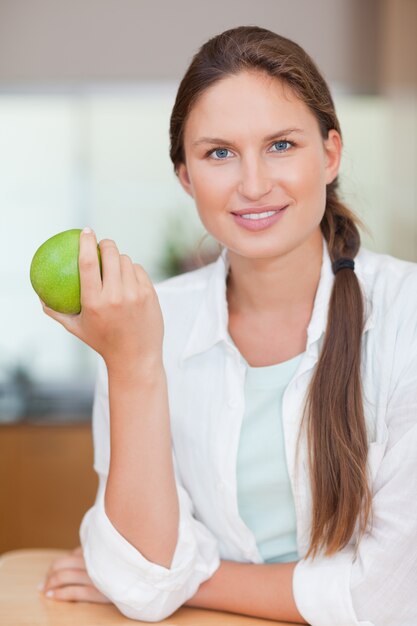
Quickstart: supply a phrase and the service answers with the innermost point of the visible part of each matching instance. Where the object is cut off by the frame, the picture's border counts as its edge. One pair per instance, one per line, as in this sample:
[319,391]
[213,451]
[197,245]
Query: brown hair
[336,431]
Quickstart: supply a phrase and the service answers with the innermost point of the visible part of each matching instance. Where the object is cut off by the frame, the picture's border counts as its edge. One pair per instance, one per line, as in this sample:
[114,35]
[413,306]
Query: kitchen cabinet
[47,483]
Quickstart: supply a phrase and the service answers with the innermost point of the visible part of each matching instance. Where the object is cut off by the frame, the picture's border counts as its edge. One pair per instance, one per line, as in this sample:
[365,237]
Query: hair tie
[343,263]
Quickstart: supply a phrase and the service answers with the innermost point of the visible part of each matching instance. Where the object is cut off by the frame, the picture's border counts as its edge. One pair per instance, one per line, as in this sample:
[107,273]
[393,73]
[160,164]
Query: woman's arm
[235,587]
[258,590]
[122,320]
[141,498]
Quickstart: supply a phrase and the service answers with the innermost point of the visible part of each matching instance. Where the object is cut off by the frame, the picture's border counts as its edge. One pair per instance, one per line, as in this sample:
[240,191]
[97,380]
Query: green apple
[54,271]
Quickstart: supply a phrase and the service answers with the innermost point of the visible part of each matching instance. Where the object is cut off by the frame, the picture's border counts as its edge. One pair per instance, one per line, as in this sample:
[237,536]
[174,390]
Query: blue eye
[282,141]
[222,151]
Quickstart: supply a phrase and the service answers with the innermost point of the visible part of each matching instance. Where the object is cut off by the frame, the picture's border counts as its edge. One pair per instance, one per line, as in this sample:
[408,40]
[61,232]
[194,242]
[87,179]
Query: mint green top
[265,498]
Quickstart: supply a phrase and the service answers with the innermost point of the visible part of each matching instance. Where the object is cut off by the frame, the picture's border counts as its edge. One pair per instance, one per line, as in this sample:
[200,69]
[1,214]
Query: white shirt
[205,374]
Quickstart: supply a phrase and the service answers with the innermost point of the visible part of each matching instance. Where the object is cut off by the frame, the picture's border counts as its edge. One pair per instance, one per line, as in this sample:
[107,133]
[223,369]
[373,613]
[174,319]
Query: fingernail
[87,231]
[49,594]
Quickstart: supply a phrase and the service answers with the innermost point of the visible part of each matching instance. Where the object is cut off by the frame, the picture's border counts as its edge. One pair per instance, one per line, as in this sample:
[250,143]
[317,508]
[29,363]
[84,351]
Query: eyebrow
[218,140]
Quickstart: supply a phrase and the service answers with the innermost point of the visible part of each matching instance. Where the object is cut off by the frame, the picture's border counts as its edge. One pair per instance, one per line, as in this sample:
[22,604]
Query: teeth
[258,216]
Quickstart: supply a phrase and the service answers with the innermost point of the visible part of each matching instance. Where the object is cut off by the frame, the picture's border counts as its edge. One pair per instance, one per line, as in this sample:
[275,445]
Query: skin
[270,281]
[254,173]
[120,314]
[67,579]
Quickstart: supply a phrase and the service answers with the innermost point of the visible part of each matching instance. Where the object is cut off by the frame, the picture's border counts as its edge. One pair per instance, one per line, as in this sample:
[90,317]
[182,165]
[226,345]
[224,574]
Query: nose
[255,180]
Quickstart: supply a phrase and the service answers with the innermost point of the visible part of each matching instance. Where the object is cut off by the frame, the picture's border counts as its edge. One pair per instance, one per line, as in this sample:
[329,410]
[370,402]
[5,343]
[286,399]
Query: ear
[333,155]
[184,178]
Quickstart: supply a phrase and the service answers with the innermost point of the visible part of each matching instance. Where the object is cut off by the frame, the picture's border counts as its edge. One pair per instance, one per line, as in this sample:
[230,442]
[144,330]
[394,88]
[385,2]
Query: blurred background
[86,91]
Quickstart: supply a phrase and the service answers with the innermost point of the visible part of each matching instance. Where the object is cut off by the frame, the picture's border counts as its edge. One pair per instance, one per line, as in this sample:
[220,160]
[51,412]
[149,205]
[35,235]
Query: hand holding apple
[120,314]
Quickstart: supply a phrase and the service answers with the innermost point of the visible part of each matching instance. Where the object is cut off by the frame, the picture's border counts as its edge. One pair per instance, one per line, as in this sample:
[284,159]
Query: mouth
[259,213]
[260,220]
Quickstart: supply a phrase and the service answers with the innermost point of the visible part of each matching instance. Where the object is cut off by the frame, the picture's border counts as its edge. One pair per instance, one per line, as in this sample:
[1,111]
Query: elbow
[139,588]
[146,614]
[144,597]
[144,601]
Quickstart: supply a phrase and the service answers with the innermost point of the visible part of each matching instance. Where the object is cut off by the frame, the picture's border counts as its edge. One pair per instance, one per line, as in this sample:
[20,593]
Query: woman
[284,375]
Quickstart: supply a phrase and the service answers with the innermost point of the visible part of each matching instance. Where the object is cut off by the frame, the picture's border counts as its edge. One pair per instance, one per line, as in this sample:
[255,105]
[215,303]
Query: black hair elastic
[343,263]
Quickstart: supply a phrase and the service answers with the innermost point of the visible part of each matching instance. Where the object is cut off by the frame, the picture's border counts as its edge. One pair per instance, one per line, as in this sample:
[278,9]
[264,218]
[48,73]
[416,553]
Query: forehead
[249,101]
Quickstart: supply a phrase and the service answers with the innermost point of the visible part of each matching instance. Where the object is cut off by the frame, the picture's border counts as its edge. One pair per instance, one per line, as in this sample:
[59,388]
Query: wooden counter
[21,604]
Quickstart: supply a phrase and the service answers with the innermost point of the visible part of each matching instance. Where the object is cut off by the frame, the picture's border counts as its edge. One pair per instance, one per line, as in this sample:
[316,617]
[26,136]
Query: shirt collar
[211,323]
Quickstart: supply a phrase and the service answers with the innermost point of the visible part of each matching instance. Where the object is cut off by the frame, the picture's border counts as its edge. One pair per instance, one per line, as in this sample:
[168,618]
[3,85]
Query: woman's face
[240,154]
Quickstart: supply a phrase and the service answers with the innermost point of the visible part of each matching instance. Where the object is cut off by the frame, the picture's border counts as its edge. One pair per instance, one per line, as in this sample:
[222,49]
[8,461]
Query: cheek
[212,187]
[306,174]
[307,181]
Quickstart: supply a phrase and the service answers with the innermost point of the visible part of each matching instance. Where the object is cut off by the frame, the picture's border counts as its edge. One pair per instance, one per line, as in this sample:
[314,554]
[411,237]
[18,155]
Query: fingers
[90,278]
[64,577]
[119,275]
[141,275]
[112,275]
[132,275]
[129,278]
[70,561]
[78,593]
[67,579]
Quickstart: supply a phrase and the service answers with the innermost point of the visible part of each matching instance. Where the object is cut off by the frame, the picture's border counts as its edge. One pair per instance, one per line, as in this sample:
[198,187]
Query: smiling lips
[259,219]
[262,209]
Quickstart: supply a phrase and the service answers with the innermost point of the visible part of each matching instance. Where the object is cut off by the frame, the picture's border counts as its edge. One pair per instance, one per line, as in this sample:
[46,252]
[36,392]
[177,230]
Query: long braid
[336,422]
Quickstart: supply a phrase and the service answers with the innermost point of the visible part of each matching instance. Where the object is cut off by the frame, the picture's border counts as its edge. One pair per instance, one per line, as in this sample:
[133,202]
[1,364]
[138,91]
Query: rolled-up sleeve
[377,586]
[141,589]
